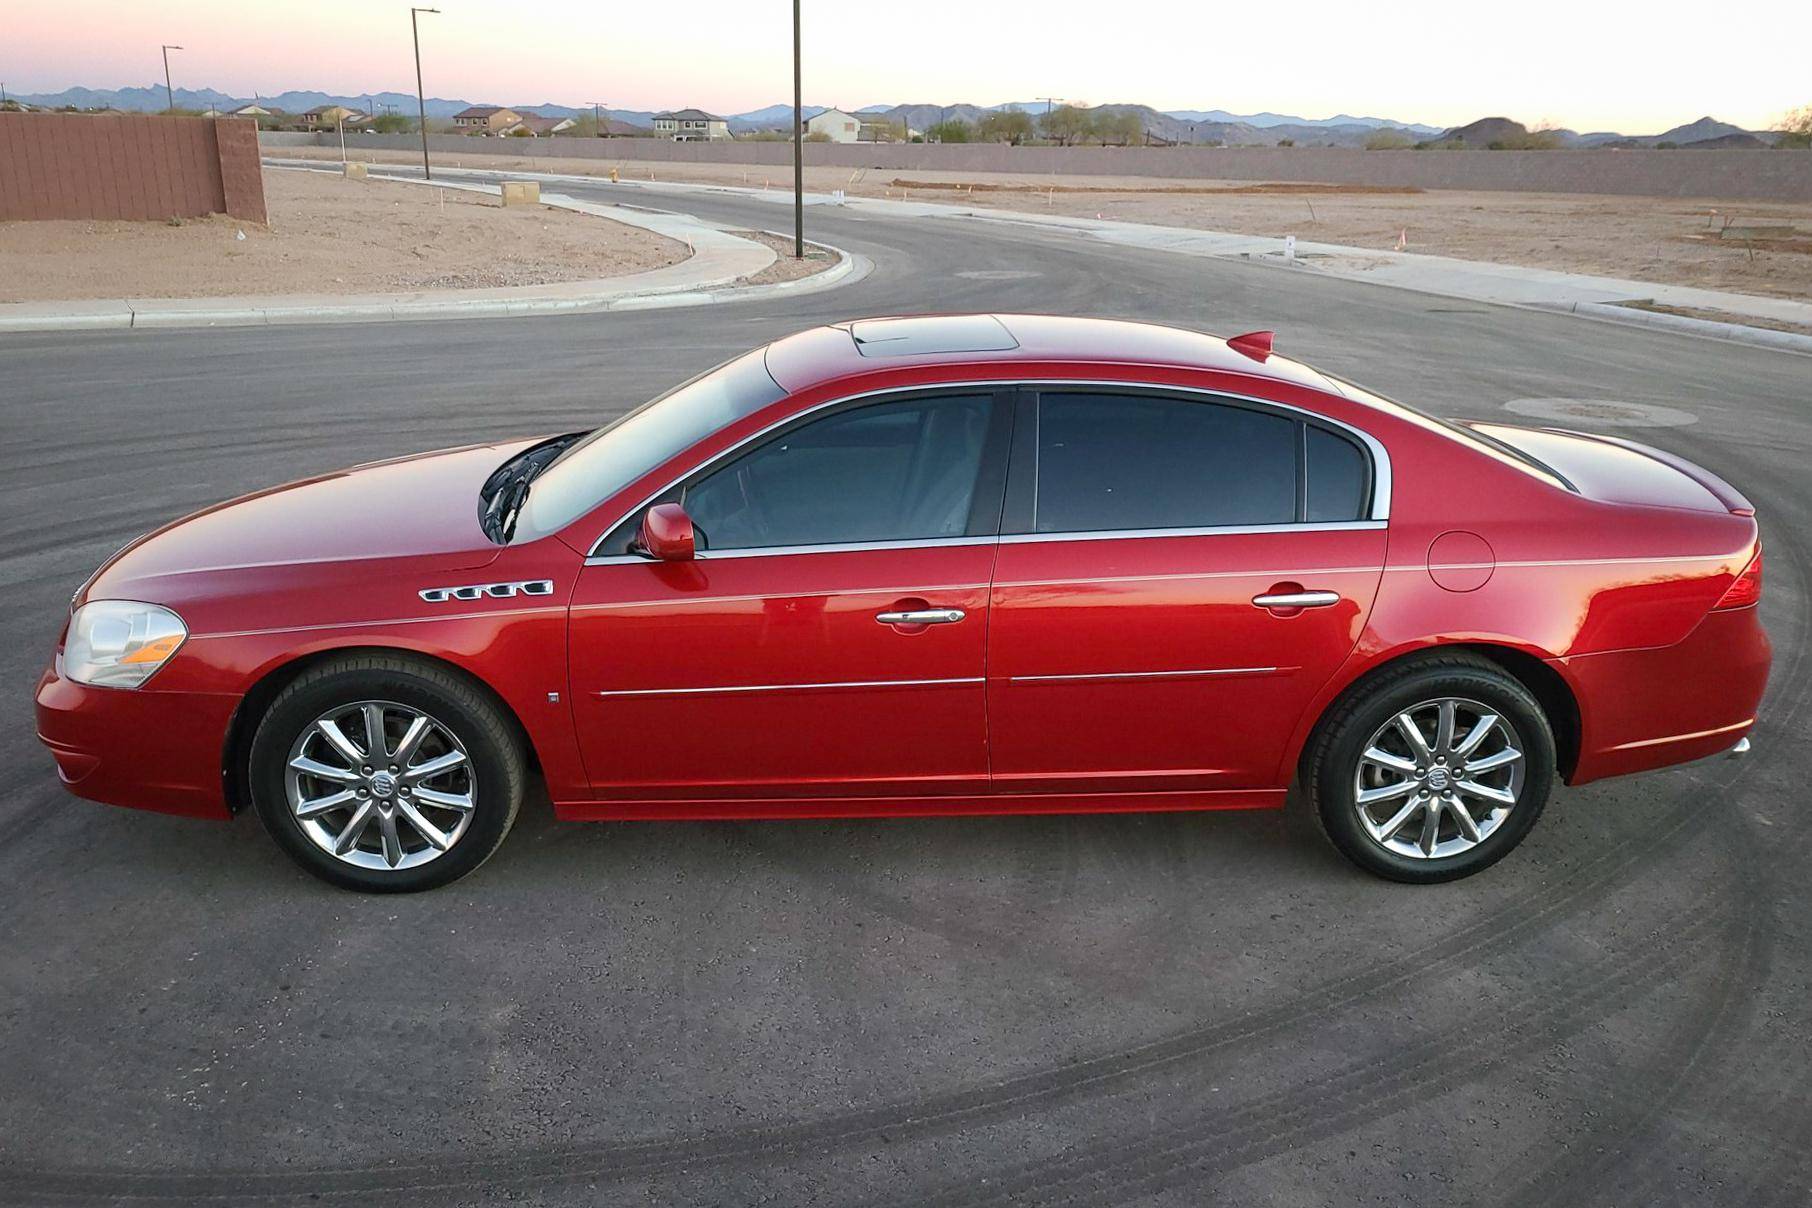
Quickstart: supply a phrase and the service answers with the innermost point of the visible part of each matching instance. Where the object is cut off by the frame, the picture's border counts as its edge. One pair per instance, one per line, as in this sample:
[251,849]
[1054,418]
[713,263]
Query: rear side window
[1111,462]
[1337,477]
[1128,461]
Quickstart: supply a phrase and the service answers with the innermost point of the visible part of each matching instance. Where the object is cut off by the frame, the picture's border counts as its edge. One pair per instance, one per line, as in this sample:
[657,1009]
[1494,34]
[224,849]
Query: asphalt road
[1171,1009]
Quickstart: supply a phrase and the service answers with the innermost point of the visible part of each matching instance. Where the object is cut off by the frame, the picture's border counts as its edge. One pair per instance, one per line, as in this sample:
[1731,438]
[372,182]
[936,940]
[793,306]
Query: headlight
[119,643]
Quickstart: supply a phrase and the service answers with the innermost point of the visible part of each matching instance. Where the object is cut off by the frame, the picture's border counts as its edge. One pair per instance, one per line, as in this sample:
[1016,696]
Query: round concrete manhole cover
[998,274]
[1602,412]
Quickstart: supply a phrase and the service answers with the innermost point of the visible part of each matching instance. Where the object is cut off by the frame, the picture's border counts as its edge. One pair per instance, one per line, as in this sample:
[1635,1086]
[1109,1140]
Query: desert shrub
[1388,140]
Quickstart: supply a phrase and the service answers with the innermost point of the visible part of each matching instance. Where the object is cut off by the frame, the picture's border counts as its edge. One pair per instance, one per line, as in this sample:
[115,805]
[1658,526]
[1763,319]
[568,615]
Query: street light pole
[421,102]
[798,148]
[169,93]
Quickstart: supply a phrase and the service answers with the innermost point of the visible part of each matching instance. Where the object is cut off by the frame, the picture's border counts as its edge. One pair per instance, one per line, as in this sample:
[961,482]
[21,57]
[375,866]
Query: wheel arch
[1548,685]
[235,755]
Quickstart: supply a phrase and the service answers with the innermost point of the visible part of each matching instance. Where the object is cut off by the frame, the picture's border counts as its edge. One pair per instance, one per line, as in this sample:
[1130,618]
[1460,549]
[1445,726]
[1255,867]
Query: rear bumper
[139,748]
[1643,709]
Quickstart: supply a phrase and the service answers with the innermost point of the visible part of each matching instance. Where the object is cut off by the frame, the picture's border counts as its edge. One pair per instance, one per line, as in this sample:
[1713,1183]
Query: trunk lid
[1611,469]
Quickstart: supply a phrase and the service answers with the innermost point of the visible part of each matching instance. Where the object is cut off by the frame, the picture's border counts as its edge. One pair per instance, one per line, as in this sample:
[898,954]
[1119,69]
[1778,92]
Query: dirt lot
[1665,240]
[327,235]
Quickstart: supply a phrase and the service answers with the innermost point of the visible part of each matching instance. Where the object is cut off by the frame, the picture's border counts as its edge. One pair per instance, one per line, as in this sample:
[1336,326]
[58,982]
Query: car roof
[823,354]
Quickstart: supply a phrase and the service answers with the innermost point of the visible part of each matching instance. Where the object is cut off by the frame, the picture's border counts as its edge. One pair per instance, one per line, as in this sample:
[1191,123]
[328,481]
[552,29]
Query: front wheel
[386,775]
[1433,771]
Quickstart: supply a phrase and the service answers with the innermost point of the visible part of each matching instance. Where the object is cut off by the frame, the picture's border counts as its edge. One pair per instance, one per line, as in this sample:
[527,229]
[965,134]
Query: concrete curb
[1478,281]
[706,278]
[1546,290]
[1761,337]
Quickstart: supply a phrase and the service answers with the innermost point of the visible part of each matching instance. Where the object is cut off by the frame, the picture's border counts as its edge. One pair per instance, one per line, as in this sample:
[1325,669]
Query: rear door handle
[922,616]
[1297,599]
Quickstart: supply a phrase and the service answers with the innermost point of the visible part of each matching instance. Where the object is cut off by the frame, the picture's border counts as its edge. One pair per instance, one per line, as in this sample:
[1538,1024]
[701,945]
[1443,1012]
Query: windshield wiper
[513,497]
[501,498]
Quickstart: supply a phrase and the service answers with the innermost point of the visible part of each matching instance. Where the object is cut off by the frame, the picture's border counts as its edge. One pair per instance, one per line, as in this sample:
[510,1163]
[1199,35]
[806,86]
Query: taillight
[1746,592]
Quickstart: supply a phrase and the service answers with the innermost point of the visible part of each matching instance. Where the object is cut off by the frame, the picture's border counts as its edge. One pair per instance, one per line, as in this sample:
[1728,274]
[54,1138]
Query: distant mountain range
[1172,125]
[1707,132]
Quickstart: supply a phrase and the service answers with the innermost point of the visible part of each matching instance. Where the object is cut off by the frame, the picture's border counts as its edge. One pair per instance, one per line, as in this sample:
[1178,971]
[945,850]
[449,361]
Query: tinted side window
[1337,477]
[888,472]
[1126,461]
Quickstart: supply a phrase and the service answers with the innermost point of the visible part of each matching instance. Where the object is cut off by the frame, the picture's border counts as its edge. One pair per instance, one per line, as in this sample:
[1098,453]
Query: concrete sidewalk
[719,260]
[1606,298]
[1602,298]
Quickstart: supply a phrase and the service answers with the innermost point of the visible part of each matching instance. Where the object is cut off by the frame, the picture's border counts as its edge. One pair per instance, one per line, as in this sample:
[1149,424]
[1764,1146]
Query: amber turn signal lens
[154,652]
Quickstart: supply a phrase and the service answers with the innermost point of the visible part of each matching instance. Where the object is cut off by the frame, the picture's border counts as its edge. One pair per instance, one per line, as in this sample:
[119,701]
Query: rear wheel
[386,775]
[1433,771]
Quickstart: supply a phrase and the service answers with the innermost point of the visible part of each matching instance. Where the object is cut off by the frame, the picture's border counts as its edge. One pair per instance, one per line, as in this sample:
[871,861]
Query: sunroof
[931,334]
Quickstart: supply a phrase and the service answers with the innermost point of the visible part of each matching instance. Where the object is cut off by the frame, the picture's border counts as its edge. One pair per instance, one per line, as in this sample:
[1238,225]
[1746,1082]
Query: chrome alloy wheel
[381,785]
[1438,778]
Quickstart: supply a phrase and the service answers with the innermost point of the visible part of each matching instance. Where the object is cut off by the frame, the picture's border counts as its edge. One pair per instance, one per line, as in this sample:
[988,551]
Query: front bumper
[138,747]
[1643,709]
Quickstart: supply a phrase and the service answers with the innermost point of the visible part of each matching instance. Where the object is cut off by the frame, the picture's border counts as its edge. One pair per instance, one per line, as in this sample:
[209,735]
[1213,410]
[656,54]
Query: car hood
[422,510]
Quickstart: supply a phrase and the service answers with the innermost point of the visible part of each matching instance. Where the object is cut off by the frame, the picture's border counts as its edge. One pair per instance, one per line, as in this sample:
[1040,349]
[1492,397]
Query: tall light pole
[421,102]
[798,148]
[169,93]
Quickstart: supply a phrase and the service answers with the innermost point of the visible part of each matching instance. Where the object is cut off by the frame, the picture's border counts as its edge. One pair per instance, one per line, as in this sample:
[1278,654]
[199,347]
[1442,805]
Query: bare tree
[1796,127]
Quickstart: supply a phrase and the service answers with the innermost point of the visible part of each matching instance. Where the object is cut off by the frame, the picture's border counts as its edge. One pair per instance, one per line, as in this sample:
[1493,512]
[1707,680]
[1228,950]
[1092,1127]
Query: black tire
[498,770]
[1332,763]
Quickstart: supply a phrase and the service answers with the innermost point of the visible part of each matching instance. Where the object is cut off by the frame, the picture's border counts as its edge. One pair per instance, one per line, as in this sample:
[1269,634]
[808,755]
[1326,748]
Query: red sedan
[940,565]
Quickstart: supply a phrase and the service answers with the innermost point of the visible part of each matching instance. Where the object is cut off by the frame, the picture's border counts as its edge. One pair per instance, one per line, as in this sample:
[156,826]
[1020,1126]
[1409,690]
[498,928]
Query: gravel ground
[785,268]
[327,235]
[1666,240]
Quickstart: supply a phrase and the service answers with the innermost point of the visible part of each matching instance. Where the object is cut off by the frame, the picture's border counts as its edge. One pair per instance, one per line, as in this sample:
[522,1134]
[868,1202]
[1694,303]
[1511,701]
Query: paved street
[1171,1009]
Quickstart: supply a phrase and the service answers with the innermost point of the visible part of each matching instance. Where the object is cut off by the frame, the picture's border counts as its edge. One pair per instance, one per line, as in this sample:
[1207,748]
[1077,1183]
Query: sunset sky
[1585,64]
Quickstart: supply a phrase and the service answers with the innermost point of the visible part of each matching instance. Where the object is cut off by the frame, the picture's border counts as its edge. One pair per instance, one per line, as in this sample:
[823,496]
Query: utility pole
[798,148]
[169,93]
[597,118]
[421,102]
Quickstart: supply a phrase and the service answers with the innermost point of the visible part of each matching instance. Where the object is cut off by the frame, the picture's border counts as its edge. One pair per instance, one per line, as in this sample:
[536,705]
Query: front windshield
[621,452]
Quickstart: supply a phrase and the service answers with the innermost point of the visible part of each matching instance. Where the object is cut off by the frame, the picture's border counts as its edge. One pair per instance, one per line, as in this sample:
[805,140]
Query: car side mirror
[667,534]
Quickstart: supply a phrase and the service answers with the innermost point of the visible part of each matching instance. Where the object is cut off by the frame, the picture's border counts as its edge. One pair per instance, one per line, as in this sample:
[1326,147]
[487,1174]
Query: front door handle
[922,616]
[1297,599]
